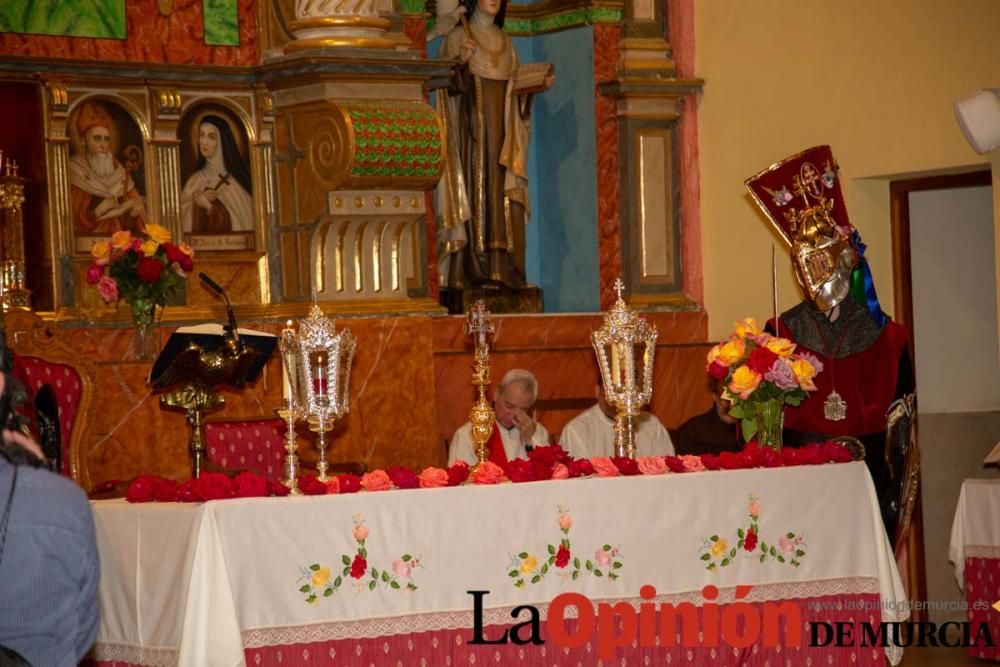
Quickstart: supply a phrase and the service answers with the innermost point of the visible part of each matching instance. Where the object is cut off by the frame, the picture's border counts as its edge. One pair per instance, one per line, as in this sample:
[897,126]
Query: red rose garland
[543,463]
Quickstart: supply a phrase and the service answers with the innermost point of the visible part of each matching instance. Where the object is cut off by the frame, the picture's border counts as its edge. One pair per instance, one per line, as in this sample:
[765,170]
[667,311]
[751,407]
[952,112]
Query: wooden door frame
[915,573]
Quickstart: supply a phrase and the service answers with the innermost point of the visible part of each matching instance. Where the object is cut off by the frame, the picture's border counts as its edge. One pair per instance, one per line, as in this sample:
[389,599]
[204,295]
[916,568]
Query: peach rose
[692,463]
[121,240]
[780,346]
[376,480]
[433,478]
[753,509]
[320,577]
[565,521]
[731,352]
[560,471]
[744,381]
[604,467]
[652,465]
[158,233]
[747,328]
[101,252]
[804,373]
[360,532]
[488,473]
[713,354]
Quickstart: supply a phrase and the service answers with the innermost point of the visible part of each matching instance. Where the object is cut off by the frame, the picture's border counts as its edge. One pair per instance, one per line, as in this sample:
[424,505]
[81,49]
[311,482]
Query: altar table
[975,552]
[384,578]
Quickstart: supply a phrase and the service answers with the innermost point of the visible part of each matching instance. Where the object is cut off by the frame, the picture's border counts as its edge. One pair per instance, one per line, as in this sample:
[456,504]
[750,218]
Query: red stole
[495,445]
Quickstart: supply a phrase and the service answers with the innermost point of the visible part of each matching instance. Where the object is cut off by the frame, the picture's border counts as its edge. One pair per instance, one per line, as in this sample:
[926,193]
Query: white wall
[954,300]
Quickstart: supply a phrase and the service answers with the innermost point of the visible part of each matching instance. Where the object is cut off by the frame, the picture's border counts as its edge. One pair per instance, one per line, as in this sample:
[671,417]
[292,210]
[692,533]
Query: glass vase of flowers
[141,270]
[760,375]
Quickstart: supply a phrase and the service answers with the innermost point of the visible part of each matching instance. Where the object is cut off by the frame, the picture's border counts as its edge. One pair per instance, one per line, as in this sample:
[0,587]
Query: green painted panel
[222,23]
[65,18]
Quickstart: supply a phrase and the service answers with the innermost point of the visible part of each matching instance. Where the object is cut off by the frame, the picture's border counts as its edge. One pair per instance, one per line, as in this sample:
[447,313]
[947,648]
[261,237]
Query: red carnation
[185,492]
[761,360]
[213,486]
[142,489]
[359,567]
[562,556]
[518,470]
[349,483]
[710,461]
[674,463]
[165,490]
[625,465]
[458,472]
[718,371]
[311,486]
[277,489]
[580,468]
[249,485]
[750,542]
[149,269]
[791,456]
[836,452]
[549,455]
[403,478]
[731,461]
[771,458]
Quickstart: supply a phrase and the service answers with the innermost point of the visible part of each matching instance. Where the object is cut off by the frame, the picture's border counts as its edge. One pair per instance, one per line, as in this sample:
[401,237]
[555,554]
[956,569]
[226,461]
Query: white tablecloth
[975,531]
[194,584]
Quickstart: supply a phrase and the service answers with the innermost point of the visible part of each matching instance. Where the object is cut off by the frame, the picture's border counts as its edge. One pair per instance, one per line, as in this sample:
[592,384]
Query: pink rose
[604,467]
[692,463]
[360,532]
[487,473]
[401,568]
[560,471]
[754,508]
[108,289]
[376,480]
[565,521]
[433,478]
[652,465]
[94,273]
[787,544]
[602,557]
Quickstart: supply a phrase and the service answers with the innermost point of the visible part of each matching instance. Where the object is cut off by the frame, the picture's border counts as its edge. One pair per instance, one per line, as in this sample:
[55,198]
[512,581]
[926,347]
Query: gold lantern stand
[625,346]
[479,325]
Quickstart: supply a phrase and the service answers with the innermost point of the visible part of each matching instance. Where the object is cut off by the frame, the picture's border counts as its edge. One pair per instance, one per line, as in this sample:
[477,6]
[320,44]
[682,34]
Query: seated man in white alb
[515,429]
[592,432]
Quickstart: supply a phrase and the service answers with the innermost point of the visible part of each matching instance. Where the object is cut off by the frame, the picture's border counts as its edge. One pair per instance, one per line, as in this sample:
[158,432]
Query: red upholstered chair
[40,358]
[258,444]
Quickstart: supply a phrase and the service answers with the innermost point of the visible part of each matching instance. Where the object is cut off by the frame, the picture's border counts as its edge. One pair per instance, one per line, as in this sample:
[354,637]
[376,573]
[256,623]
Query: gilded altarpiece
[145,121]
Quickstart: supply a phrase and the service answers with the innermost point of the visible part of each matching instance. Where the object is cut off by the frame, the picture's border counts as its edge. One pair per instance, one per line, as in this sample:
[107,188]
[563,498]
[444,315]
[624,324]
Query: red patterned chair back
[40,358]
[252,444]
[35,373]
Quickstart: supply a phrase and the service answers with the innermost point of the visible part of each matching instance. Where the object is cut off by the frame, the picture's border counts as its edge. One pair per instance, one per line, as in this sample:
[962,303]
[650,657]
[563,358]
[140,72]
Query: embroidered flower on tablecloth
[315,578]
[716,552]
[524,567]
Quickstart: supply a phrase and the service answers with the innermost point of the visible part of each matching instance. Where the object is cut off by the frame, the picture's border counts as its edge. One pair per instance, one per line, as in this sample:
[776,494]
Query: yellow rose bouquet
[761,374]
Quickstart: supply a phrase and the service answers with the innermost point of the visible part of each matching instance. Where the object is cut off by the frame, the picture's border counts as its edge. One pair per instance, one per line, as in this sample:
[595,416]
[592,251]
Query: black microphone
[231,327]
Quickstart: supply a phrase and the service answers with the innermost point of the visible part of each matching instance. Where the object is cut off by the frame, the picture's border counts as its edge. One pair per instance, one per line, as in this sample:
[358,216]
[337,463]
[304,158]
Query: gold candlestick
[478,325]
[290,410]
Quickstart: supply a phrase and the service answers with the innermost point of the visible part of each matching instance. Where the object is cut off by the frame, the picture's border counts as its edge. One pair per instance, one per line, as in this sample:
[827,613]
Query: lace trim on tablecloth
[455,620]
[135,655]
[981,551]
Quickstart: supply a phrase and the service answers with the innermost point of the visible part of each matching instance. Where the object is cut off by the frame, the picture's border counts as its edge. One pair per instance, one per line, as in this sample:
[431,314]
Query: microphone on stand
[231,327]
